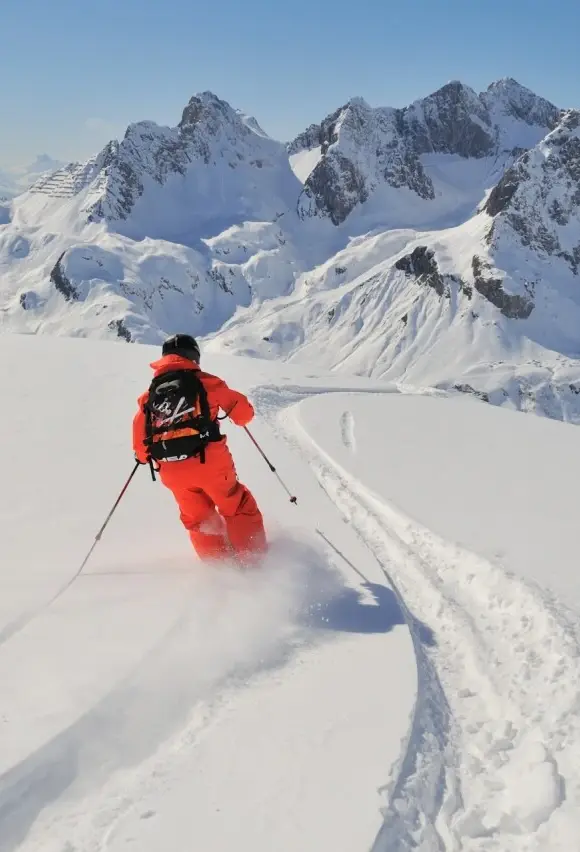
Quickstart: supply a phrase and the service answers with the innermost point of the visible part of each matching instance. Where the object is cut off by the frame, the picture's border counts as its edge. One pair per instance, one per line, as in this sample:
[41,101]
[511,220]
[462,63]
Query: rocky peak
[361,148]
[210,133]
[452,120]
[318,135]
[208,113]
[509,98]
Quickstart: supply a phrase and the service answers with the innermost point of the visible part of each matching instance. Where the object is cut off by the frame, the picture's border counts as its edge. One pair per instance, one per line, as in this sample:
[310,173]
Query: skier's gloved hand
[140,461]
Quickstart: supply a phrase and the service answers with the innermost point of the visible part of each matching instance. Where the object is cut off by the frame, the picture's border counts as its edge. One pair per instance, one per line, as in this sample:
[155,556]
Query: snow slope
[406,648]
[472,509]
[415,308]
[159,700]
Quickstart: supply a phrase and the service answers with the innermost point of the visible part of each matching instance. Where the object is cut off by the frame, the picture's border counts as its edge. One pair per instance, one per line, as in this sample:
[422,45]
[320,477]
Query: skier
[176,428]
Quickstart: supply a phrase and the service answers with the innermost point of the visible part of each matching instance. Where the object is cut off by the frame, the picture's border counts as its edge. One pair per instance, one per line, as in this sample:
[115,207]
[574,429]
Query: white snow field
[159,704]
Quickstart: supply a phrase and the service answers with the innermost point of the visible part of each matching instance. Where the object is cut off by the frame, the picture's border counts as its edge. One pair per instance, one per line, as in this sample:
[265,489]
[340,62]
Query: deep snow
[162,703]
[157,698]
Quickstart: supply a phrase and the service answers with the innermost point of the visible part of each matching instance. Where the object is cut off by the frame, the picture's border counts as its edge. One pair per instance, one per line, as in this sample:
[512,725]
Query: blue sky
[75,73]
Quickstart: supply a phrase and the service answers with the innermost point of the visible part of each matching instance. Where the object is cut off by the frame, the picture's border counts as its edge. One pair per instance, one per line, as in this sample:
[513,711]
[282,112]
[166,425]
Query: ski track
[476,727]
[347,431]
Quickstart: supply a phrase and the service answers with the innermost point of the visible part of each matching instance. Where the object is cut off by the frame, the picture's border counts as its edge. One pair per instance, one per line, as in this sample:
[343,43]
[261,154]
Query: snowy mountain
[490,306]
[435,245]
[359,154]
[403,673]
[122,245]
[216,168]
[537,201]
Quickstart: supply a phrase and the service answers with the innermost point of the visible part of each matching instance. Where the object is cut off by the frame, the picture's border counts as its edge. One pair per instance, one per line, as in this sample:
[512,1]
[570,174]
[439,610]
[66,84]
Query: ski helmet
[182,344]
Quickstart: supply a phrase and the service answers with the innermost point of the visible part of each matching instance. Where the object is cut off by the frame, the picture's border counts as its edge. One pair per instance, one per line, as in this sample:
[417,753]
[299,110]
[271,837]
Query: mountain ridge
[442,249]
[454,120]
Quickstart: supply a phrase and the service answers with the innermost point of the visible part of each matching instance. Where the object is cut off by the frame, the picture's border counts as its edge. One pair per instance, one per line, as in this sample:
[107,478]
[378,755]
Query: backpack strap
[202,395]
[213,429]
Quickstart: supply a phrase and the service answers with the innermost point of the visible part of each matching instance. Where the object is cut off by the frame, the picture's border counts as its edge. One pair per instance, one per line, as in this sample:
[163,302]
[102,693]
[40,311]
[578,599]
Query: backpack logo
[169,414]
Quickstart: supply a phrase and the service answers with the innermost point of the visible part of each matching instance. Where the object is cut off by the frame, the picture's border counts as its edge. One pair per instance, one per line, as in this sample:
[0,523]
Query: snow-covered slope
[161,704]
[155,689]
[473,510]
[14,181]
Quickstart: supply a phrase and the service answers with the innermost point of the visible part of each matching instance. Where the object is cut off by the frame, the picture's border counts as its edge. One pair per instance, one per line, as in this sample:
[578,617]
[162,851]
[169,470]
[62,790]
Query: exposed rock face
[61,282]
[323,135]
[466,388]
[511,306]
[121,329]
[337,186]
[421,263]
[384,146]
[538,199]
[503,192]
[453,120]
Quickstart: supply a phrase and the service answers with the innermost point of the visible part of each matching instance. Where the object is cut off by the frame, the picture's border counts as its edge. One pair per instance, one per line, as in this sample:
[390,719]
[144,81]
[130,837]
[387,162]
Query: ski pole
[271,466]
[108,518]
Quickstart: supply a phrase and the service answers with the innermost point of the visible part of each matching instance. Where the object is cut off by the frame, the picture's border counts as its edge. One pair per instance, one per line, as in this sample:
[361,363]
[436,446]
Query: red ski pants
[204,490]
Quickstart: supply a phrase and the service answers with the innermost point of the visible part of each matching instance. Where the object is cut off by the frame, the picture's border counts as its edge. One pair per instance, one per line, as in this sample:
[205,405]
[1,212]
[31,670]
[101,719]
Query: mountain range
[17,179]
[436,245]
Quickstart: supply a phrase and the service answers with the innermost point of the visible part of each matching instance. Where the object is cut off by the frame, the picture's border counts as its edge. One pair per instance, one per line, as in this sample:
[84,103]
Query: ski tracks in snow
[347,431]
[498,689]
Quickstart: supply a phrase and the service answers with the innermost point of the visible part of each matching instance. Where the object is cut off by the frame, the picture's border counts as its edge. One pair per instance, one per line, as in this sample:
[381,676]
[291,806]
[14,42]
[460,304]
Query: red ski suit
[201,489]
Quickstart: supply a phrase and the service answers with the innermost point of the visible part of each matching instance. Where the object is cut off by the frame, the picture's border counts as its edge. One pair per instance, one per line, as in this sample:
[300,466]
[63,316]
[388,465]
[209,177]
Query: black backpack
[178,423]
